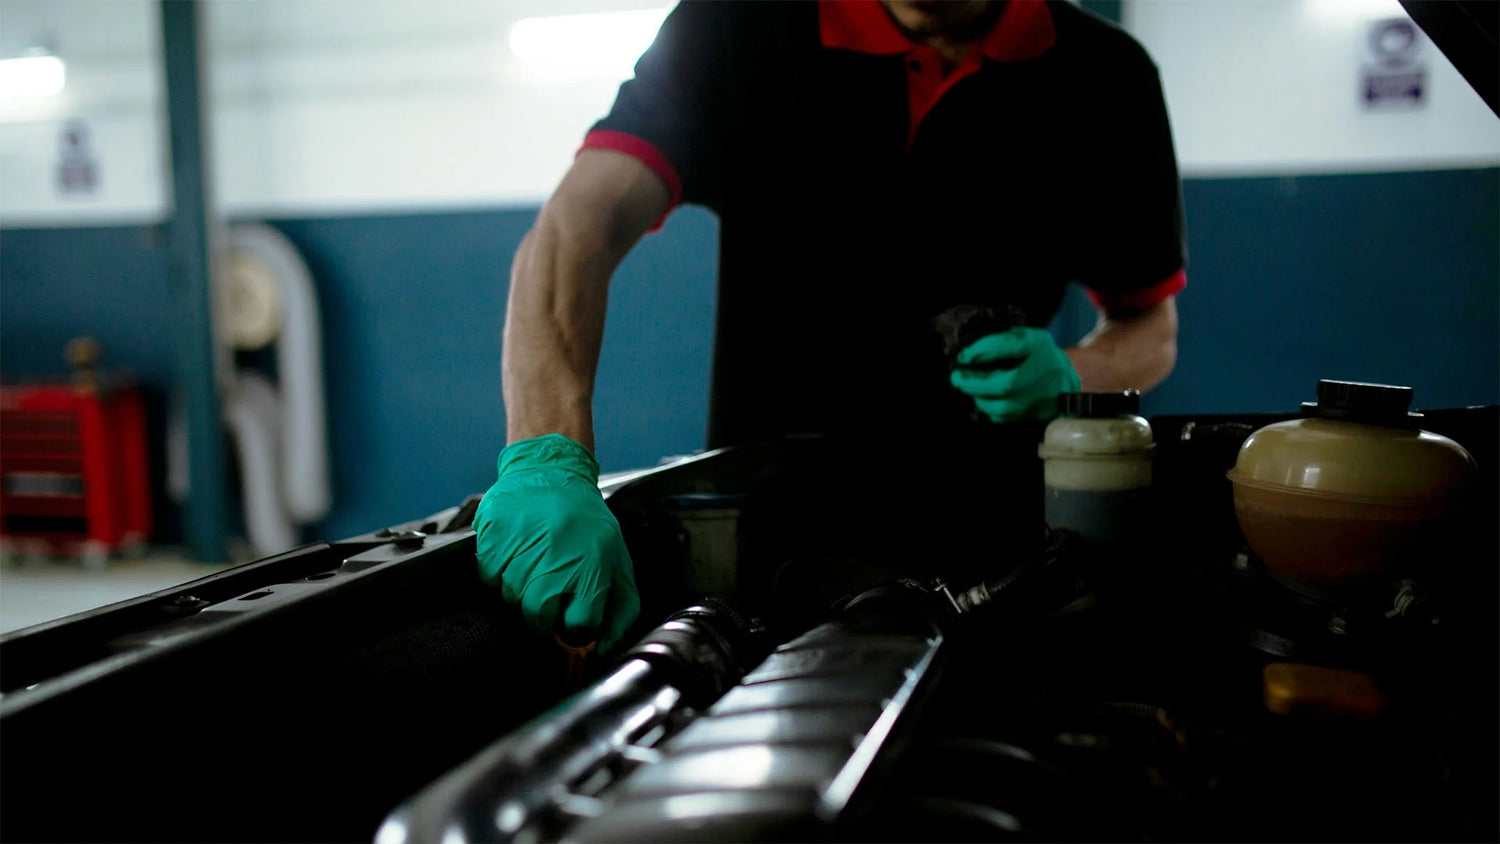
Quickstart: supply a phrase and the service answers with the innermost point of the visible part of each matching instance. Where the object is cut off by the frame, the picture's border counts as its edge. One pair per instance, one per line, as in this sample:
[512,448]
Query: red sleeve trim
[1138,299]
[640,150]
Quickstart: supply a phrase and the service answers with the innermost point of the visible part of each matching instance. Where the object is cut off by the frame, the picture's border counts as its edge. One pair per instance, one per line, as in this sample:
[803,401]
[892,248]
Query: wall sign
[77,166]
[1393,73]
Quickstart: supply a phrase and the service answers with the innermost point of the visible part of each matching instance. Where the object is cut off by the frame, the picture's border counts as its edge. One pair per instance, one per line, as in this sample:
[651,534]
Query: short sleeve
[1135,254]
[670,115]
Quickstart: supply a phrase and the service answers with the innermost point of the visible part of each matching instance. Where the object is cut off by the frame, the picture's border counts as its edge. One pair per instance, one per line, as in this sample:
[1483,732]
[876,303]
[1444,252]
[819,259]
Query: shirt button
[916,66]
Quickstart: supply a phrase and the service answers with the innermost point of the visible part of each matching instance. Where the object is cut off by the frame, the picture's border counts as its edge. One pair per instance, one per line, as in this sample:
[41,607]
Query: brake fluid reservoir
[1096,467]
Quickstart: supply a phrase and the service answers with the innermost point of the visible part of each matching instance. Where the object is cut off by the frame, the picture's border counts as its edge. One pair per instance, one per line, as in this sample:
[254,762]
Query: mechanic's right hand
[545,536]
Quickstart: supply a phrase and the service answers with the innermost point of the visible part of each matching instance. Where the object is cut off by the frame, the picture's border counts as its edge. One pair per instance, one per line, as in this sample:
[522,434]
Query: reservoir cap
[1372,404]
[1100,405]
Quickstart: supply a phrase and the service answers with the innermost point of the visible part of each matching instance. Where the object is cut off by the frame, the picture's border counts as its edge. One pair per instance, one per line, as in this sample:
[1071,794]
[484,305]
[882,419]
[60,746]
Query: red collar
[1024,30]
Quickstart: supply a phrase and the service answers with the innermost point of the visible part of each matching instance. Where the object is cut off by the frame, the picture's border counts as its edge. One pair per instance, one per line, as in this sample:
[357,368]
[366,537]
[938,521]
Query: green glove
[1015,375]
[544,533]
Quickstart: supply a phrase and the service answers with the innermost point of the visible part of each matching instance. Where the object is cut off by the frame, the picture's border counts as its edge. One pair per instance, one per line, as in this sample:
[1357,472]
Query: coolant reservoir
[1097,467]
[1352,494]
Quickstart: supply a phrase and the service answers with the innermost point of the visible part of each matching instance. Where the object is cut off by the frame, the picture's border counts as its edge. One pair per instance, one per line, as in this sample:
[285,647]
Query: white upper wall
[114,86]
[1273,86]
[340,104]
[354,106]
[317,106]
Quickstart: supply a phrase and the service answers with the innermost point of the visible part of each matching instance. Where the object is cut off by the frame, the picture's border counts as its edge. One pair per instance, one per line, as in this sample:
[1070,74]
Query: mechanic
[872,165]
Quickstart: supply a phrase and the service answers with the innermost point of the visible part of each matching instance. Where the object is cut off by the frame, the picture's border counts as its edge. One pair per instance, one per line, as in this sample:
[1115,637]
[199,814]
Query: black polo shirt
[861,191]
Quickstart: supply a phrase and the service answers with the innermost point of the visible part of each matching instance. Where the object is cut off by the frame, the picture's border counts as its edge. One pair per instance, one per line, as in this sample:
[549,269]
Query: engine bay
[831,647]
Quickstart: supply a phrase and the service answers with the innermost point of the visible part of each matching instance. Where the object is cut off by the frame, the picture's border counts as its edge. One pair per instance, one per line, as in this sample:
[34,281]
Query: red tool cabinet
[73,470]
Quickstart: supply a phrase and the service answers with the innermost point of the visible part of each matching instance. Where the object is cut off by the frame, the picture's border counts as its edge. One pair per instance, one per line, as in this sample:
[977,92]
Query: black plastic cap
[1100,405]
[960,326]
[1352,401]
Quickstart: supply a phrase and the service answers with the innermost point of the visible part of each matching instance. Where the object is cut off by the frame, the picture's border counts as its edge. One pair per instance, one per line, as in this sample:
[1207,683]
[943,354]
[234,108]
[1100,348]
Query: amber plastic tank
[1351,494]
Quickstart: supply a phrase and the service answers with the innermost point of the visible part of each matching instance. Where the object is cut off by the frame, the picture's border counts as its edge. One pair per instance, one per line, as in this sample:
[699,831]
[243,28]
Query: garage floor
[34,590]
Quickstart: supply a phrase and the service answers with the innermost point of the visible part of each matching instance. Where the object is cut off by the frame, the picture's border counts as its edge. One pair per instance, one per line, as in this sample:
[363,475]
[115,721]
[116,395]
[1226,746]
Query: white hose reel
[278,430]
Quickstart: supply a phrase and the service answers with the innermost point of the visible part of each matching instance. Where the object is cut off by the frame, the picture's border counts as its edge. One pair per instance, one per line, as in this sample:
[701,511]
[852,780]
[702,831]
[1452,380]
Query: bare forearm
[1135,351]
[553,326]
[559,287]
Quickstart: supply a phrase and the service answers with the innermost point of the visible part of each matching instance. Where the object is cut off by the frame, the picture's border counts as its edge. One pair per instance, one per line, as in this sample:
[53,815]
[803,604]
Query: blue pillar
[189,264]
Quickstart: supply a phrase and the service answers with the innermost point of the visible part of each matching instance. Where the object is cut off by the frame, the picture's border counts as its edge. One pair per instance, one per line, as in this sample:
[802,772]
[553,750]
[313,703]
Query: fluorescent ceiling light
[32,76]
[596,45]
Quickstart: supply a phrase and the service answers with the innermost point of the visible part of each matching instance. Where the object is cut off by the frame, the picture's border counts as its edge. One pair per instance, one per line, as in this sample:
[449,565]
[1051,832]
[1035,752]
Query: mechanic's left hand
[1031,372]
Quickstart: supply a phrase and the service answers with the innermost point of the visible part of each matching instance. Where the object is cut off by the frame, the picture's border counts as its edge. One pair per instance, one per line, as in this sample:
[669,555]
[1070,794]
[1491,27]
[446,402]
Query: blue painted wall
[111,283]
[412,311]
[1384,277]
[1392,278]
